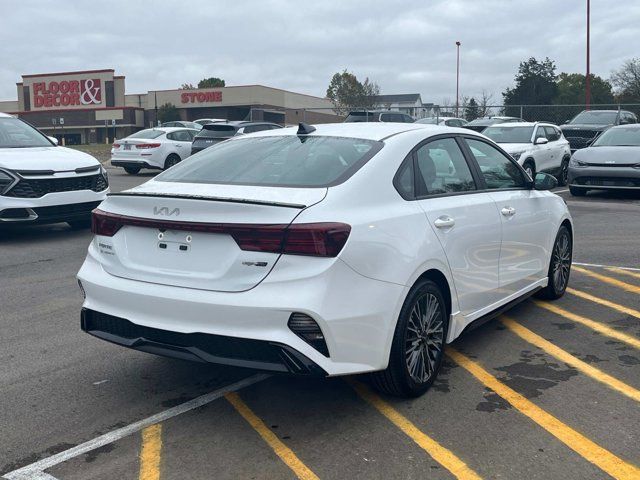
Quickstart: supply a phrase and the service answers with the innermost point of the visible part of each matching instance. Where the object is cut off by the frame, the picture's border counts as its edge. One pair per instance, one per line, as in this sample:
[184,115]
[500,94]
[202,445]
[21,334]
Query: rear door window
[442,168]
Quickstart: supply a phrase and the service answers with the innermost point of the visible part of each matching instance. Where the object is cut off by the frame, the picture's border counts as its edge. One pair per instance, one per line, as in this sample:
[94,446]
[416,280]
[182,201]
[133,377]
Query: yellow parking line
[150,452]
[611,281]
[569,359]
[623,272]
[440,454]
[606,303]
[589,450]
[592,324]
[280,449]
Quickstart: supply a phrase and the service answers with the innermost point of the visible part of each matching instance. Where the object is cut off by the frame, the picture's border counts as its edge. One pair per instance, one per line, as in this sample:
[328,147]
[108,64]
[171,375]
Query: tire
[411,377]
[530,167]
[559,266]
[578,191]
[132,170]
[83,224]
[171,160]
[563,176]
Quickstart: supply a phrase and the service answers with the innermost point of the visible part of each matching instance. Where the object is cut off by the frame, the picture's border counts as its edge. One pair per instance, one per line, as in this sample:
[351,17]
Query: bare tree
[627,80]
[484,104]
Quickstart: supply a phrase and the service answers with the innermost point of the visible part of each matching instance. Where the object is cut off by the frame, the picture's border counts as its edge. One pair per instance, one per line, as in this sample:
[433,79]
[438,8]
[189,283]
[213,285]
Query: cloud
[406,46]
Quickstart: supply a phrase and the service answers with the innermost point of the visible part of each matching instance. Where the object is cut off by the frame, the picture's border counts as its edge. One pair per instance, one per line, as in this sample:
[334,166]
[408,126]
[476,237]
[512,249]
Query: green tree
[348,93]
[471,110]
[211,82]
[572,86]
[535,84]
[167,113]
[627,81]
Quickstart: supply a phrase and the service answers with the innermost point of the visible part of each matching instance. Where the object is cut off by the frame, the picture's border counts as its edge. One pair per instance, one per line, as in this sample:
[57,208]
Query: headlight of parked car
[577,163]
[7,180]
[517,155]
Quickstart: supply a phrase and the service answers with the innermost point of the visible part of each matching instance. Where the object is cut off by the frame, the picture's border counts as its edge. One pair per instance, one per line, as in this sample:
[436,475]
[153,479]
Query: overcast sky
[405,46]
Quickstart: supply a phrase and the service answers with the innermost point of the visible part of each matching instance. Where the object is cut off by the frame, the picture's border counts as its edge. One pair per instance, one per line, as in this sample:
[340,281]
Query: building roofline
[238,86]
[56,74]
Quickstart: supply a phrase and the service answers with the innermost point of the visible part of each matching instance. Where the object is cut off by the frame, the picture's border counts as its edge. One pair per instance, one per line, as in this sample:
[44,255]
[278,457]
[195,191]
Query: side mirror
[54,140]
[544,181]
[541,141]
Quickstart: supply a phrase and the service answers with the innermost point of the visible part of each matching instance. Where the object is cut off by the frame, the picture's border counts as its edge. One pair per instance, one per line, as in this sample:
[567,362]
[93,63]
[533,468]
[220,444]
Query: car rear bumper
[51,208]
[199,347]
[134,164]
[357,315]
[605,178]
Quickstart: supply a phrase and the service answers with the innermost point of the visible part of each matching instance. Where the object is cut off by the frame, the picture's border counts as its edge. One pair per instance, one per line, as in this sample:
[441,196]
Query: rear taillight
[311,239]
[143,146]
[115,145]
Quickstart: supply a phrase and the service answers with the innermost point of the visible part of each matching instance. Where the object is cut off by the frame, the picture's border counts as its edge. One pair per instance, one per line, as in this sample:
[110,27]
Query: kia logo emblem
[165,211]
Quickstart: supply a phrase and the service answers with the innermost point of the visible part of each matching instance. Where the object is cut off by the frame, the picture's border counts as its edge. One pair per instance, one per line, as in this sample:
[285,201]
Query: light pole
[457,76]
[588,78]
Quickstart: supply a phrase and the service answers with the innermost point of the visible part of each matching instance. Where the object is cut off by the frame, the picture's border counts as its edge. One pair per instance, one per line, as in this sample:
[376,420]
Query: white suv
[41,182]
[538,147]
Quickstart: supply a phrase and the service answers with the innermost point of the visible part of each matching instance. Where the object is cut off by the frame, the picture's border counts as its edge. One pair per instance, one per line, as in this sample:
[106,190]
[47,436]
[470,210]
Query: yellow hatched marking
[569,359]
[606,303]
[589,450]
[440,454]
[150,452]
[285,453]
[611,281]
[592,324]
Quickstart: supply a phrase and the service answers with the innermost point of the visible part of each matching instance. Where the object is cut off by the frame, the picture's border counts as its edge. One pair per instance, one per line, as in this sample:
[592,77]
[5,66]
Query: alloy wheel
[425,337]
[561,262]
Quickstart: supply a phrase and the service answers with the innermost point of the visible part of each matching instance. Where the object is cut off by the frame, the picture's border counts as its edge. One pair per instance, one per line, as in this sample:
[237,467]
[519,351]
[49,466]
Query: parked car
[611,162]
[255,254]
[183,124]
[41,182]
[155,148]
[206,121]
[585,127]
[448,121]
[213,133]
[479,124]
[378,116]
[537,146]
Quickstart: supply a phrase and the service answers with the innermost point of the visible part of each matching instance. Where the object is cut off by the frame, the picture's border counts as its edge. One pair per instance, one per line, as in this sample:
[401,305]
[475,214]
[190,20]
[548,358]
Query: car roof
[169,129]
[635,126]
[365,130]
[5,115]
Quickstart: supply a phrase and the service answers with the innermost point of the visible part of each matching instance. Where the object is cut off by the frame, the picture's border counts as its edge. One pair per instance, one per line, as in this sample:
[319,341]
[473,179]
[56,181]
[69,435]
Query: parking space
[549,390]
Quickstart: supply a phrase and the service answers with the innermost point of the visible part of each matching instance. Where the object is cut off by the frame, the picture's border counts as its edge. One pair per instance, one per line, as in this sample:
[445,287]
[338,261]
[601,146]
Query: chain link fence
[556,114]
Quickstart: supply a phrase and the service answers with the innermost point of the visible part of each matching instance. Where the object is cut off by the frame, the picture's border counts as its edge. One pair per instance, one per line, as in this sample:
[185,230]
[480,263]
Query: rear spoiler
[210,199]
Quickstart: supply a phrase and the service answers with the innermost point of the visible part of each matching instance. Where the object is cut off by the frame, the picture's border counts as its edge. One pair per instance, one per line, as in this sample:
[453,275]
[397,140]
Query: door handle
[180,146]
[444,222]
[508,211]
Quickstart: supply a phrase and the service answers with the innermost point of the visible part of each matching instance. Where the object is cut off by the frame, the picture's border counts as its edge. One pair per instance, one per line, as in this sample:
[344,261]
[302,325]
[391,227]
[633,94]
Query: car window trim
[467,150]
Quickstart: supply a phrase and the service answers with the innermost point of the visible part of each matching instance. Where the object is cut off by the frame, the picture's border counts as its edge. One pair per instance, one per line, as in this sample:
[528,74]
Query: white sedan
[538,147]
[41,182]
[156,148]
[328,250]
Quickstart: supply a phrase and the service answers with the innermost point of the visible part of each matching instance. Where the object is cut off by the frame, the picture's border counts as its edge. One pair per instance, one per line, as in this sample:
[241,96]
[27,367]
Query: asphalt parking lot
[550,390]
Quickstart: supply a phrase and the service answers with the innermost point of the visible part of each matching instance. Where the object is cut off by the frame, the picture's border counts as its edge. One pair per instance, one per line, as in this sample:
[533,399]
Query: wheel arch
[437,277]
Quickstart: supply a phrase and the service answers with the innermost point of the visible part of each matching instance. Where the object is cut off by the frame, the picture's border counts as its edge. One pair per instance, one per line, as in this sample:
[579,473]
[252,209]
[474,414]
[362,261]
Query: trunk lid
[176,240]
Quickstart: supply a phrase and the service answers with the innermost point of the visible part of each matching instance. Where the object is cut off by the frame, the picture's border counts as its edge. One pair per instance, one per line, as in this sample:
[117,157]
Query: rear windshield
[214,130]
[619,137]
[509,134]
[283,161]
[360,117]
[596,118]
[429,121]
[148,134]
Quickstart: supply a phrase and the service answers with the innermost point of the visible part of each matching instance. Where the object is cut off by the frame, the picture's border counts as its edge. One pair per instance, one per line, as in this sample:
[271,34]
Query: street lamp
[457,77]
[588,79]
